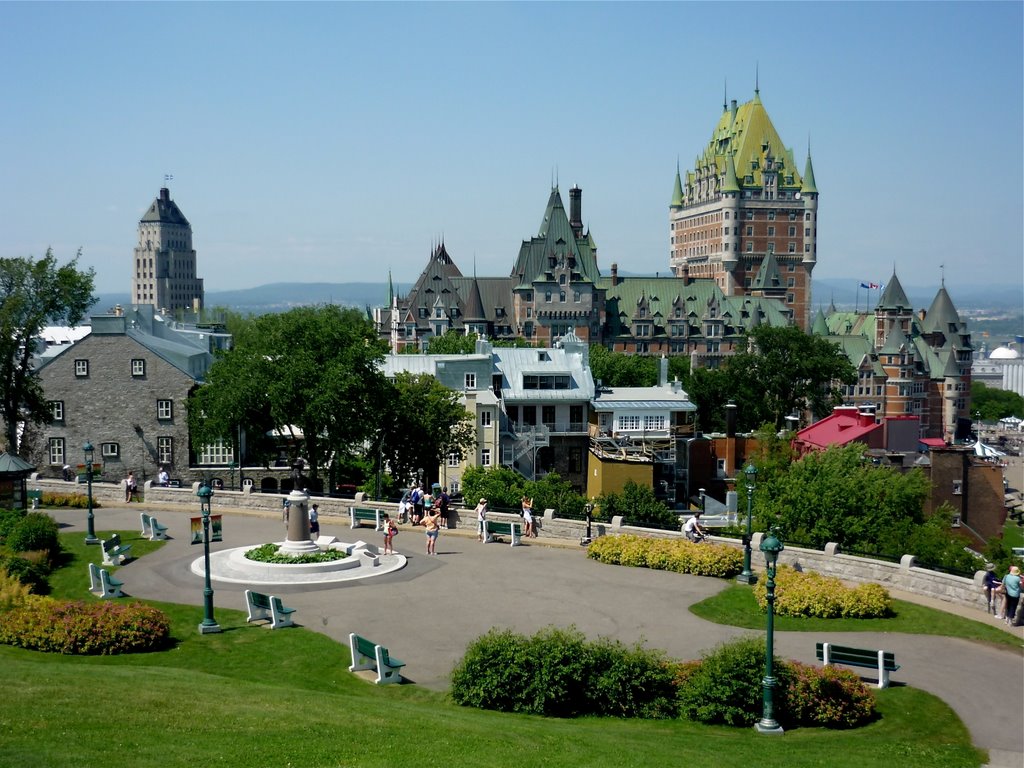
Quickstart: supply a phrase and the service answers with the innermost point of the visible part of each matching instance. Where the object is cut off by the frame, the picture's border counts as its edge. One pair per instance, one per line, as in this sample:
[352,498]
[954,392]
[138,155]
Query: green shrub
[73,500]
[806,593]
[725,688]
[35,532]
[12,591]
[269,553]
[80,628]
[679,555]
[824,696]
[558,673]
[30,572]
[9,518]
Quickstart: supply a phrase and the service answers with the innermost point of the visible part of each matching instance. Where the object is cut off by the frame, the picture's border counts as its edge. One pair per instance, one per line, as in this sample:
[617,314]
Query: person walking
[444,500]
[481,517]
[417,504]
[1011,585]
[432,522]
[129,488]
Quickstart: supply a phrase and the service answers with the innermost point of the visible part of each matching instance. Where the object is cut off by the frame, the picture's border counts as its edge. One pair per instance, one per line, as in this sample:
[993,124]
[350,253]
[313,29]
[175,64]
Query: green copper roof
[942,315]
[677,192]
[731,183]
[894,297]
[808,185]
[767,277]
[556,244]
[819,327]
[895,341]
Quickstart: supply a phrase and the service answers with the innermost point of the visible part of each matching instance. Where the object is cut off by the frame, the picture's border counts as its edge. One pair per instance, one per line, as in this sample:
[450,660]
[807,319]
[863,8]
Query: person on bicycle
[692,528]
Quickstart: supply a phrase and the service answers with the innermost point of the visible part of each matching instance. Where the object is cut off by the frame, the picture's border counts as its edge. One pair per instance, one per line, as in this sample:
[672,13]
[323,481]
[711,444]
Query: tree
[616,369]
[32,295]
[423,424]
[638,506]
[312,372]
[995,404]
[452,343]
[787,371]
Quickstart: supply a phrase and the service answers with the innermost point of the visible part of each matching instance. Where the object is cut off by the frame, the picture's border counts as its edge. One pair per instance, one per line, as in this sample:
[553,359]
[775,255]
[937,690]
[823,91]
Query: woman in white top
[528,517]
[481,516]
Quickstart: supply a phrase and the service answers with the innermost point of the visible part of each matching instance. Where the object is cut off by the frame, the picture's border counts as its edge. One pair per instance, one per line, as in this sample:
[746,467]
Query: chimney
[730,439]
[576,210]
[615,275]
[663,372]
[165,194]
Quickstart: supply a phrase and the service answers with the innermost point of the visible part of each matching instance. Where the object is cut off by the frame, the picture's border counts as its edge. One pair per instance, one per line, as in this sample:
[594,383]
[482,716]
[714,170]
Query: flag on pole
[872,286]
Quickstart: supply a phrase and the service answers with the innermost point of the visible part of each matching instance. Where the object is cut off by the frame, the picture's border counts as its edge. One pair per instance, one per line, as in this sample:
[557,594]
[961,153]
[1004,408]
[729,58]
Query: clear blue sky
[335,142]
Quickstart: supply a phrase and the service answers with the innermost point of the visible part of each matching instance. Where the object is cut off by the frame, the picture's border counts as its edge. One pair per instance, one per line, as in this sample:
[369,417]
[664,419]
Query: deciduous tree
[32,295]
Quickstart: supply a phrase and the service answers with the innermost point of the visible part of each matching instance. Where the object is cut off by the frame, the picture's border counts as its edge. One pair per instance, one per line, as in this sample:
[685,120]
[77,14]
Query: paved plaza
[428,611]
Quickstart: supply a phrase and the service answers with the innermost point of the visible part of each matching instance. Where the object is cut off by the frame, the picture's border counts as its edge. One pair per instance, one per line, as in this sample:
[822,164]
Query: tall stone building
[744,216]
[164,267]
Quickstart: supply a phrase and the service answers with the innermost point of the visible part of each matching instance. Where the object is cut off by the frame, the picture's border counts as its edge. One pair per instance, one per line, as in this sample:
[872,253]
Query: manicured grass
[252,697]
[1013,534]
[71,580]
[736,606]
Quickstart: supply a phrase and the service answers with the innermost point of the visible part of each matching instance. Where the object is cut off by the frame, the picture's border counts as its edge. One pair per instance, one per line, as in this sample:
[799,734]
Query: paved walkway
[427,612]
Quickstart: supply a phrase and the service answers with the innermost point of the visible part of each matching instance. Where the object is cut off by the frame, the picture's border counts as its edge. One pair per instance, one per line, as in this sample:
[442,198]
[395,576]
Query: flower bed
[806,593]
[679,556]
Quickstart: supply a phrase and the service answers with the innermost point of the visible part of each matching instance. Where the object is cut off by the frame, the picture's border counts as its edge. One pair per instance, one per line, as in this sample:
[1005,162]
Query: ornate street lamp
[771,546]
[208,625]
[87,449]
[748,577]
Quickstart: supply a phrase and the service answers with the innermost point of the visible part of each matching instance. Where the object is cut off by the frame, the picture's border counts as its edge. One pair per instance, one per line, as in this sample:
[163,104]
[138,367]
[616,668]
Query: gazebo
[13,474]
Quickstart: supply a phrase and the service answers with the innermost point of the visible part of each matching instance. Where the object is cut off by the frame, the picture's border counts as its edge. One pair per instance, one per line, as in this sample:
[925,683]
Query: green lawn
[736,606]
[252,697]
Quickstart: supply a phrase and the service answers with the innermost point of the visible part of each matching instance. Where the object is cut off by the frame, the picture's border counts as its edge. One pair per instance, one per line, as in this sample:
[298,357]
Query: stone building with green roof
[745,216]
[556,288]
[907,363]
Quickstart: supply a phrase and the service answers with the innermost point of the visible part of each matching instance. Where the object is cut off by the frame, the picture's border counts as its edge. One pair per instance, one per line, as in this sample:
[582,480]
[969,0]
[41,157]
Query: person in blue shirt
[992,586]
[1011,584]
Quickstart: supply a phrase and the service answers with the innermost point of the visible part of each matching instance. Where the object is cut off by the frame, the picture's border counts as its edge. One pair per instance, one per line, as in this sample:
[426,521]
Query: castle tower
[743,200]
[164,267]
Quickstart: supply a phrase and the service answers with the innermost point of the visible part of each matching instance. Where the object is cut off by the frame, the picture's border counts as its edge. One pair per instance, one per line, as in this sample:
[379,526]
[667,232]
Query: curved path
[427,612]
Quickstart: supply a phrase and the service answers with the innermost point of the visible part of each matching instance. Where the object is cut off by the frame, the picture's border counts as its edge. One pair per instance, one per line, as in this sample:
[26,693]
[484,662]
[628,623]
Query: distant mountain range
[280,297]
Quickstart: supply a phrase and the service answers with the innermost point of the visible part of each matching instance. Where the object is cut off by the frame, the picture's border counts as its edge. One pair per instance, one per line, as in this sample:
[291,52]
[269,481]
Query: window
[792,247]
[576,296]
[750,231]
[454,461]
[165,450]
[771,231]
[792,231]
[81,368]
[110,450]
[165,409]
[547,295]
[561,296]
[629,422]
[470,381]
[485,457]
[57,410]
[654,423]
[771,215]
[217,453]
[138,367]
[57,451]
[485,418]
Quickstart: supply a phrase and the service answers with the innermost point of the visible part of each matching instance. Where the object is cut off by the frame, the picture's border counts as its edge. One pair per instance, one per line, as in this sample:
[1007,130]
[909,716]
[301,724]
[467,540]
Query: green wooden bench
[882,661]
[35,496]
[360,514]
[111,587]
[95,584]
[494,528]
[151,528]
[114,552]
[369,655]
[268,607]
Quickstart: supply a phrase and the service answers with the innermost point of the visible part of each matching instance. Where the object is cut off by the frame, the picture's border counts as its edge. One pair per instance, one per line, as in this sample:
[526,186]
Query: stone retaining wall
[903,576]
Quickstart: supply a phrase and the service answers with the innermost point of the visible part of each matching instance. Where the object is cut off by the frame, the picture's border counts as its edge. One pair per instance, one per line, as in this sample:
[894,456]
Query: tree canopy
[452,343]
[994,404]
[617,369]
[312,370]
[422,424]
[34,294]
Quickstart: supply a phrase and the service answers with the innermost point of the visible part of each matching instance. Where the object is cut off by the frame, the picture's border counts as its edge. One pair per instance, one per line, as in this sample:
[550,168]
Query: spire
[757,81]
[677,190]
[808,187]
[725,95]
[391,290]
[894,297]
[731,183]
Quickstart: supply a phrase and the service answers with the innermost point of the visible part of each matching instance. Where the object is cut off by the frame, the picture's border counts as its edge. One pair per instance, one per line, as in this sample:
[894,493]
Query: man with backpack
[417,505]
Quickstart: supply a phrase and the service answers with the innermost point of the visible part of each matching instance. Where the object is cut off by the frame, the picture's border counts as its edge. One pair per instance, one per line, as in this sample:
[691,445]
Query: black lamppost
[208,625]
[87,449]
[771,546]
[748,577]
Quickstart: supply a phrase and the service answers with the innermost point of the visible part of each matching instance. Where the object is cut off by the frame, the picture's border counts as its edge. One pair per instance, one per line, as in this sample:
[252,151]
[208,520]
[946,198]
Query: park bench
[35,496]
[151,528]
[95,583]
[110,586]
[494,528]
[114,552]
[268,607]
[359,514]
[882,661]
[369,655]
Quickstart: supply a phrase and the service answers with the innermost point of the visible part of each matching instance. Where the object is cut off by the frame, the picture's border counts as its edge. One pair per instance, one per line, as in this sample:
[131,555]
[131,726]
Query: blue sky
[322,142]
